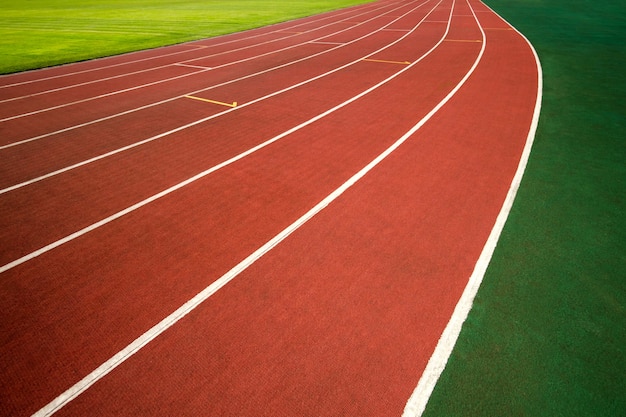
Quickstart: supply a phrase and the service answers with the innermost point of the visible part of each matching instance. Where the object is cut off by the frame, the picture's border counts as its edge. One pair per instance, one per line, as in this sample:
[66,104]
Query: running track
[278,222]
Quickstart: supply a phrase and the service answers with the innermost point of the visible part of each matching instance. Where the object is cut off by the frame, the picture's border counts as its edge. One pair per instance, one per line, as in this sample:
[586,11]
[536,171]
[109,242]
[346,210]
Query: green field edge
[546,335]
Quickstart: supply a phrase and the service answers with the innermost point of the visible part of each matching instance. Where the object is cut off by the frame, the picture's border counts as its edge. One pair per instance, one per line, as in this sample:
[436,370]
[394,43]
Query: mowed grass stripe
[546,334]
[40,33]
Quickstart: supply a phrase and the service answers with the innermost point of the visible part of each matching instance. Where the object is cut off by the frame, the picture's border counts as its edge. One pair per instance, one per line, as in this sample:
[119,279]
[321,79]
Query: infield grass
[40,33]
[547,333]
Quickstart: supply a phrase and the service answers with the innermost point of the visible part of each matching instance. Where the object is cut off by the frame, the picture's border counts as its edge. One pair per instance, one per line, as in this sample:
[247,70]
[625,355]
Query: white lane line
[178,129]
[191,43]
[327,43]
[134,347]
[196,177]
[437,362]
[192,66]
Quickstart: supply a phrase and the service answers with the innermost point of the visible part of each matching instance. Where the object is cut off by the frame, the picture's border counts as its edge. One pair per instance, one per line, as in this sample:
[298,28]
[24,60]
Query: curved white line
[180,128]
[437,362]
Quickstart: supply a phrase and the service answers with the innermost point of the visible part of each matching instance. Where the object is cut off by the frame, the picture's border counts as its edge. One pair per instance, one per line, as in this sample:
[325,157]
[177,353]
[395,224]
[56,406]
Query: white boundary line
[239,107]
[202,296]
[437,362]
[331,14]
[137,87]
[191,66]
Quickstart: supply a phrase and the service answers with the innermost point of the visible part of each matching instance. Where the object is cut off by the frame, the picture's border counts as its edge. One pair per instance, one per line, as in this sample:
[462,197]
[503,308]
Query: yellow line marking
[462,40]
[387,62]
[234,104]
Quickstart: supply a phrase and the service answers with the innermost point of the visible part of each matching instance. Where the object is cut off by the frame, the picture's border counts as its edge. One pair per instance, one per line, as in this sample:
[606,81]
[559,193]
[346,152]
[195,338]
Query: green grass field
[547,334]
[39,33]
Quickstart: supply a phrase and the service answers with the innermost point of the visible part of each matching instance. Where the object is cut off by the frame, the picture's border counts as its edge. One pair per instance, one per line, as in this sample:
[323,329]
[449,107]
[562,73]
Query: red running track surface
[326,224]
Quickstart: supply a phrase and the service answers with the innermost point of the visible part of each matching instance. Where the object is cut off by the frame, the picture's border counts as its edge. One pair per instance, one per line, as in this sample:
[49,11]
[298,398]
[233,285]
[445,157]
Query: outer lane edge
[418,400]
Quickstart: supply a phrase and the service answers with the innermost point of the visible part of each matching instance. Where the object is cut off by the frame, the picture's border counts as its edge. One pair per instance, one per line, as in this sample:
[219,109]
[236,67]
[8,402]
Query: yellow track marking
[234,104]
[387,62]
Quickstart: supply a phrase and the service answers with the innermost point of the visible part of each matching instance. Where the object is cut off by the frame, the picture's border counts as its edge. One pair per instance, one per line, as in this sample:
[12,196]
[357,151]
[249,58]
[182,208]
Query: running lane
[340,317]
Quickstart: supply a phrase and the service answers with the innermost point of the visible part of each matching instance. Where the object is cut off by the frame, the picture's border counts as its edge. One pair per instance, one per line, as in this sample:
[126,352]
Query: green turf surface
[39,33]
[547,334]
